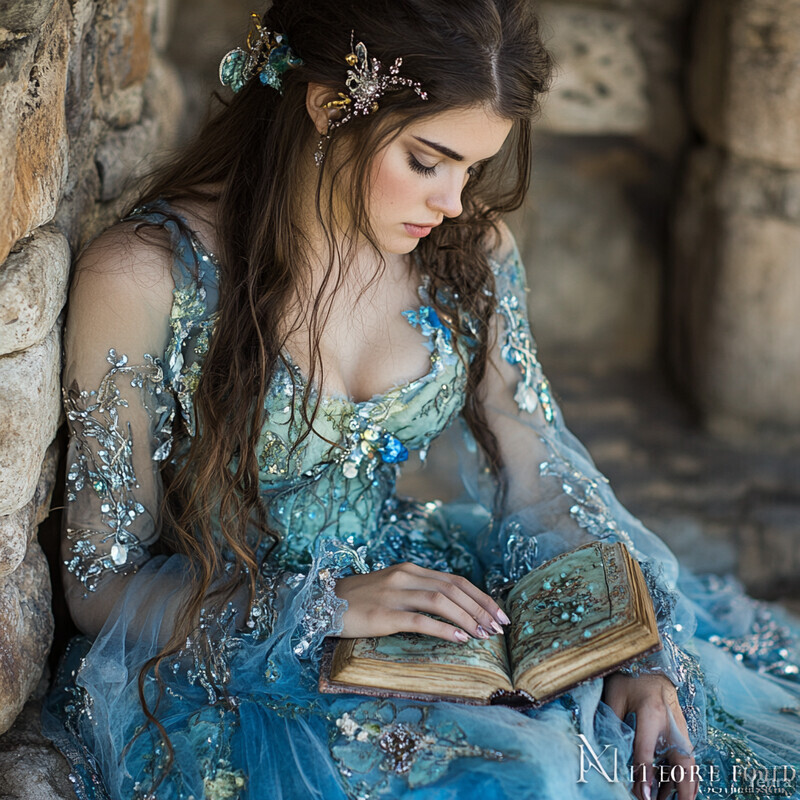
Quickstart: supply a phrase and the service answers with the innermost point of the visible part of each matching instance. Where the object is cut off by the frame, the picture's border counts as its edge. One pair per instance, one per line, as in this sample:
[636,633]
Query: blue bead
[393,450]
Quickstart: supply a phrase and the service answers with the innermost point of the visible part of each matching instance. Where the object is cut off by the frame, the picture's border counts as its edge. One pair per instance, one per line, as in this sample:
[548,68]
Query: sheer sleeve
[119,412]
[555,497]
[140,318]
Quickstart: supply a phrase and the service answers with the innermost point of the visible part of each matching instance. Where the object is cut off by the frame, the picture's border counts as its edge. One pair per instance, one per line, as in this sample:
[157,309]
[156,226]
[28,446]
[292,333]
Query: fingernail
[646,791]
[503,617]
[460,636]
[481,632]
[496,628]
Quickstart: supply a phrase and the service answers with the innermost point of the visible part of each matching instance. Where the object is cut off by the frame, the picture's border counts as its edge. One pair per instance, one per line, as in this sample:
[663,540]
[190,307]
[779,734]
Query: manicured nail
[460,636]
[646,791]
[481,632]
[501,615]
[496,628]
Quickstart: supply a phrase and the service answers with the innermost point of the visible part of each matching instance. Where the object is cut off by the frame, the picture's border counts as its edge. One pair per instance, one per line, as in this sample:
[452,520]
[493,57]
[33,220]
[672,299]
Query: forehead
[474,132]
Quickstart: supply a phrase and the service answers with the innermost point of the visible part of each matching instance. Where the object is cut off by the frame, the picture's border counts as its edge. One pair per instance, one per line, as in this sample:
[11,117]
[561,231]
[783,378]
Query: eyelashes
[420,168]
[417,166]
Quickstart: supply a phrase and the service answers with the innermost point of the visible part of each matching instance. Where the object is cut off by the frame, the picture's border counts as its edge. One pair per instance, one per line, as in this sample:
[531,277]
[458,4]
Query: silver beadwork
[367,81]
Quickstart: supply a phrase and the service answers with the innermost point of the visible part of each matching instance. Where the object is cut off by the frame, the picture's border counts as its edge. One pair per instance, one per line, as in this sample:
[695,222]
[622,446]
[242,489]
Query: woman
[364,294]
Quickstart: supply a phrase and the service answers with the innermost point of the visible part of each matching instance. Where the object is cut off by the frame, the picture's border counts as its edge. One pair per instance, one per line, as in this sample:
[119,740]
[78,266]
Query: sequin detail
[322,612]
[518,347]
[104,464]
[381,742]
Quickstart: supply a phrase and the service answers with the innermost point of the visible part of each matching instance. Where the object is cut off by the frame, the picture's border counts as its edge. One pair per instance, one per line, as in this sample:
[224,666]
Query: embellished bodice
[337,481]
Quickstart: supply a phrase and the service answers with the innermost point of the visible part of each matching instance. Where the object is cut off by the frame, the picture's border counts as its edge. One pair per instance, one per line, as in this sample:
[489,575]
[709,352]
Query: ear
[317,95]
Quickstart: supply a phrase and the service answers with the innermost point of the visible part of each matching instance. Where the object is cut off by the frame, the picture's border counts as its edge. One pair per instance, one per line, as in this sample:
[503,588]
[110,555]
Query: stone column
[735,289]
[87,99]
[611,133]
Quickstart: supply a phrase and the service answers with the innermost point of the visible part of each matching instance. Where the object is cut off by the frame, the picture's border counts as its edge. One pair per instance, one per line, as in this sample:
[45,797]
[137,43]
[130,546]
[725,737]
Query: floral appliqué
[378,736]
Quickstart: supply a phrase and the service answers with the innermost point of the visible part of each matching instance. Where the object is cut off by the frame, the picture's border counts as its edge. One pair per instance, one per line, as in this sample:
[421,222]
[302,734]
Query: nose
[447,199]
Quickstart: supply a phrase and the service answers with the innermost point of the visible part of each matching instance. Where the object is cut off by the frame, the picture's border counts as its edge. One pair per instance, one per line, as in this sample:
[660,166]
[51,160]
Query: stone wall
[614,127]
[87,99]
[736,273]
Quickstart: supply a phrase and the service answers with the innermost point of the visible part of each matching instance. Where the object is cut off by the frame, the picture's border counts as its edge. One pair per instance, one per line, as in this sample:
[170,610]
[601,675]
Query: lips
[419,230]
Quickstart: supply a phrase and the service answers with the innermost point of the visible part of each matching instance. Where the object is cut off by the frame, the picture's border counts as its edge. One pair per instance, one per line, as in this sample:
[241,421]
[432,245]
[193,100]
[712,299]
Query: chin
[399,247]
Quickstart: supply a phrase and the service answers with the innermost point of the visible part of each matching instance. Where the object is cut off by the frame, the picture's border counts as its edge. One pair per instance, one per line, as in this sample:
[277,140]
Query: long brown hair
[464,53]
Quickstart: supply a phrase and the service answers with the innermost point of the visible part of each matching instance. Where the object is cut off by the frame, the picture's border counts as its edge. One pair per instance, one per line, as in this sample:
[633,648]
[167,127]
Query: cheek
[393,185]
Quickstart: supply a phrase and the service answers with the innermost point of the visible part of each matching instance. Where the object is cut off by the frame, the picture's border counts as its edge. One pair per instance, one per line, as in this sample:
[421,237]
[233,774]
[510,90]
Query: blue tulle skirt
[248,722]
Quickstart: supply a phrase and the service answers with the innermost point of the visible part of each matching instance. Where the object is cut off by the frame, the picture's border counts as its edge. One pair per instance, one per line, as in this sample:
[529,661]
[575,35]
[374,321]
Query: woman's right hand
[400,597]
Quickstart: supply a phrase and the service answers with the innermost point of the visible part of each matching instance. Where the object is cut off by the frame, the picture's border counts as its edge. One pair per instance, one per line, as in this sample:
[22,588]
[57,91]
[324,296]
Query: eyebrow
[445,151]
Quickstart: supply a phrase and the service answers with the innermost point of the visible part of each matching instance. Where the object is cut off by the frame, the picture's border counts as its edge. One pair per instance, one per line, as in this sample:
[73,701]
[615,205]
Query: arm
[557,500]
[119,412]
[128,366]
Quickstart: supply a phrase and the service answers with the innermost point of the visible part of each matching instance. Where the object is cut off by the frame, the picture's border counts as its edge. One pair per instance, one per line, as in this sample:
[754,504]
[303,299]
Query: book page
[559,606]
[415,648]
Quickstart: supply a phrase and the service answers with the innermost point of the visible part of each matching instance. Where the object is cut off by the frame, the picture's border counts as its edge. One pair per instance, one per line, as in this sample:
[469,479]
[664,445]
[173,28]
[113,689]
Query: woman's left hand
[655,702]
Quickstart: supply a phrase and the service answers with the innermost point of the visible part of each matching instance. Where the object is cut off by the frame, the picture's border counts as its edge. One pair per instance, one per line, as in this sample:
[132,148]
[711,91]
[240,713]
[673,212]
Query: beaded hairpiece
[268,55]
[367,81]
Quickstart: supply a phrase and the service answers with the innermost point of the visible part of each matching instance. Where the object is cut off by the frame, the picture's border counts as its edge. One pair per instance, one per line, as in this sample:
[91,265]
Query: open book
[581,615]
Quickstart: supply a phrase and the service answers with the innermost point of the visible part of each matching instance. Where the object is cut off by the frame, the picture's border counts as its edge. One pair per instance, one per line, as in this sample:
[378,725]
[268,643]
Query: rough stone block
[33,289]
[24,15]
[661,44]
[736,293]
[123,59]
[26,632]
[19,528]
[15,65]
[30,767]
[122,156]
[600,85]
[29,414]
[593,268]
[40,163]
[745,77]
[162,24]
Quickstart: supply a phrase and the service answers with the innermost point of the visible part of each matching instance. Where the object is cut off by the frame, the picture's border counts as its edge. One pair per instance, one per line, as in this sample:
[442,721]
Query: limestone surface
[600,84]
[19,528]
[745,77]
[737,270]
[26,631]
[35,96]
[33,289]
[29,413]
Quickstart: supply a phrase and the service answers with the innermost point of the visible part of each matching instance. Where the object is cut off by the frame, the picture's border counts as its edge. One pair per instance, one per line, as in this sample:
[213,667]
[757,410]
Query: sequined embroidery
[518,347]
[385,742]
[104,464]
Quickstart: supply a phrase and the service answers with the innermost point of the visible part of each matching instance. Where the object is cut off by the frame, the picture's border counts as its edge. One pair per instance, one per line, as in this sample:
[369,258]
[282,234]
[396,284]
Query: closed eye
[417,166]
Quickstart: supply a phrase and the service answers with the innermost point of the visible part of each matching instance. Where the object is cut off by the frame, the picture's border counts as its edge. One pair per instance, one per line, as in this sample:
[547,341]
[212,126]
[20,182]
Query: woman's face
[417,179]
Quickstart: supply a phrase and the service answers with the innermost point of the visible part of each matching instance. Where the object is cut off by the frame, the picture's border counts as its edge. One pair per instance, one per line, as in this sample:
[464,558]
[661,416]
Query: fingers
[648,728]
[397,598]
[482,608]
[421,623]
[448,600]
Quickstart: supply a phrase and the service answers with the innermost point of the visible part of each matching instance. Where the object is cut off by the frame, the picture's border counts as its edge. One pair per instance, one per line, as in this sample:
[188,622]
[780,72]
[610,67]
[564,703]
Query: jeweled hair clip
[367,81]
[268,55]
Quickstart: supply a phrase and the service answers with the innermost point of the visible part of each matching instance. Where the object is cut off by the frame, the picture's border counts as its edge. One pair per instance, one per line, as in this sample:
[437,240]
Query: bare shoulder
[125,263]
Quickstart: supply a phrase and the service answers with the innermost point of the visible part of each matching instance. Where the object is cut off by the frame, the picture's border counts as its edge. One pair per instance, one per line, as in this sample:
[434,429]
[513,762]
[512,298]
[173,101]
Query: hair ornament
[268,55]
[367,81]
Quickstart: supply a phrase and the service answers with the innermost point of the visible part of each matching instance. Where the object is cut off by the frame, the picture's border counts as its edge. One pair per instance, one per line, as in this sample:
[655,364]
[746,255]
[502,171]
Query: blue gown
[240,702]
